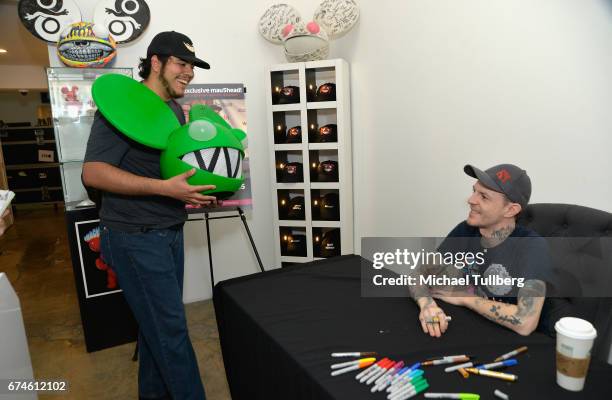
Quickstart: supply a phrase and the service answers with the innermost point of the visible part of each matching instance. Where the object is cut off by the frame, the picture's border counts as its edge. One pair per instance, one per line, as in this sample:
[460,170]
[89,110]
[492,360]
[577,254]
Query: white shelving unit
[311,115]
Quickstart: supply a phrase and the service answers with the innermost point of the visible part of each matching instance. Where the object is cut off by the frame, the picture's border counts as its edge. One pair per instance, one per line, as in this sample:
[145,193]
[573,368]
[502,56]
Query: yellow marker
[492,374]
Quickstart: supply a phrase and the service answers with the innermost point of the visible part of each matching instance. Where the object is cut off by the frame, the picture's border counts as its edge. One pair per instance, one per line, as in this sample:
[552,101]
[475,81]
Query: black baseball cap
[329,207]
[294,135]
[289,95]
[171,43]
[326,92]
[504,178]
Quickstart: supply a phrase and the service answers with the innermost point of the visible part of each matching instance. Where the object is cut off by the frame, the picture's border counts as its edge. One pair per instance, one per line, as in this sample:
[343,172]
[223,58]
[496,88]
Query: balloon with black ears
[84,44]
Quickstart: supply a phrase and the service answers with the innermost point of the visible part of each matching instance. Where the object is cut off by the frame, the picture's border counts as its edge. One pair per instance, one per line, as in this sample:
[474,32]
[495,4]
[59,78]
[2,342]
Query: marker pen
[409,392]
[501,395]
[410,378]
[460,396]
[407,388]
[511,354]
[355,354]
[492,374]
[380,373]
[369,369]
[499,364]
[458,366]
[362,364]
[387,375]
[464,373]
[390,378]
[377,370]
[348,363]
[449,360]
[405,372]
[445,357]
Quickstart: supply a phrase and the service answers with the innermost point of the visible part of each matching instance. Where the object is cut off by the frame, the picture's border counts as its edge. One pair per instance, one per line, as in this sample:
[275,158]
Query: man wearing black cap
[141,220]
[509,251]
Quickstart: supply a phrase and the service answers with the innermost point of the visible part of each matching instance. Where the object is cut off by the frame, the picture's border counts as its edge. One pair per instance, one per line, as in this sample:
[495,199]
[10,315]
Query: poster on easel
[228,100]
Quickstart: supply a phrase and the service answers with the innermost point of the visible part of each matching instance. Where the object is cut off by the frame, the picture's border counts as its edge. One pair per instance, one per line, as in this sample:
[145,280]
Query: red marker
[382,367]
[368,370]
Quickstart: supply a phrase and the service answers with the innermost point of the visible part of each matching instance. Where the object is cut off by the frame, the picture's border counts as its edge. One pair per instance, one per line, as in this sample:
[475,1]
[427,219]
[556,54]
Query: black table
[277,330]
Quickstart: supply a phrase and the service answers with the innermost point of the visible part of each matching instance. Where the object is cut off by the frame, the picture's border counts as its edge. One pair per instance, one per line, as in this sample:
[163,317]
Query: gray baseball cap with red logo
[504,178]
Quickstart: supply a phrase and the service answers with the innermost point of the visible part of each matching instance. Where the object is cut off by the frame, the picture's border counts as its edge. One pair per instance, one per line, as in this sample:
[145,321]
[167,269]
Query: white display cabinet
[301,164]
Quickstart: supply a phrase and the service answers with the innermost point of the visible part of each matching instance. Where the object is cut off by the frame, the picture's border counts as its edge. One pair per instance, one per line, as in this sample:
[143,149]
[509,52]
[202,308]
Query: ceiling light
[3,51]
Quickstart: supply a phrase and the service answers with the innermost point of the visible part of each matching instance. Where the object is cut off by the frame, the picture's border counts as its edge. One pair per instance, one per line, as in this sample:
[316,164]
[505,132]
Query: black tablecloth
[277,330]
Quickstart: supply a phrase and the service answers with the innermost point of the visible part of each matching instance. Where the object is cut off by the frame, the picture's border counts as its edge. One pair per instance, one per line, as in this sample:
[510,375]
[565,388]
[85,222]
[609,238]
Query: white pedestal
[14,354]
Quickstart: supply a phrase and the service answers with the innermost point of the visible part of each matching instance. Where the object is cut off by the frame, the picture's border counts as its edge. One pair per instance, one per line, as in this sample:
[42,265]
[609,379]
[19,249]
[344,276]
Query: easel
[242,216]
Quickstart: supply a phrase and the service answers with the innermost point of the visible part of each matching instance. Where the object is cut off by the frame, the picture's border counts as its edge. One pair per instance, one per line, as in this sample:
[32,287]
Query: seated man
[510,251]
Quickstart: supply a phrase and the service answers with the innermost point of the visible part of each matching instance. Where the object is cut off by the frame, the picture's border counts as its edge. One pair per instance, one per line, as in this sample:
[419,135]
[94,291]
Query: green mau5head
[208,143]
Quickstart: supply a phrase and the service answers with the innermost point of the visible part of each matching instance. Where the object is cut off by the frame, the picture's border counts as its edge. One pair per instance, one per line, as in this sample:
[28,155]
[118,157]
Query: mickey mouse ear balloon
[80,43]
[282,24]
[337,16]
[275,18]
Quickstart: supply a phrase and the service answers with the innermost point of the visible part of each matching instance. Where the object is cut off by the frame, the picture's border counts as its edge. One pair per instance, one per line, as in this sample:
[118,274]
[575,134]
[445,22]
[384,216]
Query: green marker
[461,396]
[409,390]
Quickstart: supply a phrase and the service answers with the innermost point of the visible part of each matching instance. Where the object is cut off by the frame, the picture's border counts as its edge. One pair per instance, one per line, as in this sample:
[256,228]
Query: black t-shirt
[524,254]
[124,212]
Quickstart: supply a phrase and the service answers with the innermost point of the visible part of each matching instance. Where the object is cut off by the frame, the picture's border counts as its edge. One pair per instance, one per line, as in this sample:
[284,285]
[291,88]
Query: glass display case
[73,110]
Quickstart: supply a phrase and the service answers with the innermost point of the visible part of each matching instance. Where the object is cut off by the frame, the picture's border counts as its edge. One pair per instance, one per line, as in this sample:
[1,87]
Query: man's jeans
[149,267]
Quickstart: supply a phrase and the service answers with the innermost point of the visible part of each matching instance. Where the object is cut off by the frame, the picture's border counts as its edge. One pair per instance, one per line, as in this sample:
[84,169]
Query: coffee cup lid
[576,328]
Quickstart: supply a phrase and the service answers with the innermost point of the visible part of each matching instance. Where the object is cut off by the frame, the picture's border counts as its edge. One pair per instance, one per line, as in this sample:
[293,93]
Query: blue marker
[499,364]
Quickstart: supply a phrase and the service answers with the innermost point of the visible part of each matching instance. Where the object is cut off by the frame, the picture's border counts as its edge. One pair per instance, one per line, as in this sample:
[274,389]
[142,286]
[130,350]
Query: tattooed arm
[523,317]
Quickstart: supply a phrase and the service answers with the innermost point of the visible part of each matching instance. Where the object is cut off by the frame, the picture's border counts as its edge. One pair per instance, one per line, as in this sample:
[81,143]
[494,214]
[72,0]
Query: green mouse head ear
[200,111]
[135,110]
[240,135]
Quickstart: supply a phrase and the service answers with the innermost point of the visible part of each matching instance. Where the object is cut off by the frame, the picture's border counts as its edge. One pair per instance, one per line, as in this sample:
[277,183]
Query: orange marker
[464,373]
[349,363]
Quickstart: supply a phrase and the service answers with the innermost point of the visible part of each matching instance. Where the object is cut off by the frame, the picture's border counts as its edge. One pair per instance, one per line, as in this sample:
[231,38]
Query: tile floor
[35,256]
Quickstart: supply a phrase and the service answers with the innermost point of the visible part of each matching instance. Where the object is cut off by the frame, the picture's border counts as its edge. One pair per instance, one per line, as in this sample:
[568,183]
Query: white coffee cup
[575,339]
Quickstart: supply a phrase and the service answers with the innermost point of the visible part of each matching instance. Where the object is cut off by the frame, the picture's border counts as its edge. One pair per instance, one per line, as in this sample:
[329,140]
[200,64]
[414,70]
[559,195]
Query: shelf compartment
[325,205]
[322,126]
[283,122]
[293,241]
[324,166]
[291,206]
[283,79]
[326,242]
[316,78]
[289,167]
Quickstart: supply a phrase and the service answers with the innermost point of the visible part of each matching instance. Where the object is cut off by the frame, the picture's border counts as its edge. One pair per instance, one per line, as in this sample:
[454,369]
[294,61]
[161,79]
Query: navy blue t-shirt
[524,254]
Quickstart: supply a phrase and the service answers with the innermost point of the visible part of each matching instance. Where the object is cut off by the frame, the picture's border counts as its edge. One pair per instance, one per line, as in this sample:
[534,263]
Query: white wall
[15,107]
[435,85]
[23,77]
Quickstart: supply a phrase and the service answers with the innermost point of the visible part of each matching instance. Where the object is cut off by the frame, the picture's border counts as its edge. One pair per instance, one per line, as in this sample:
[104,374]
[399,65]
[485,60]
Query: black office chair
[576,269]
